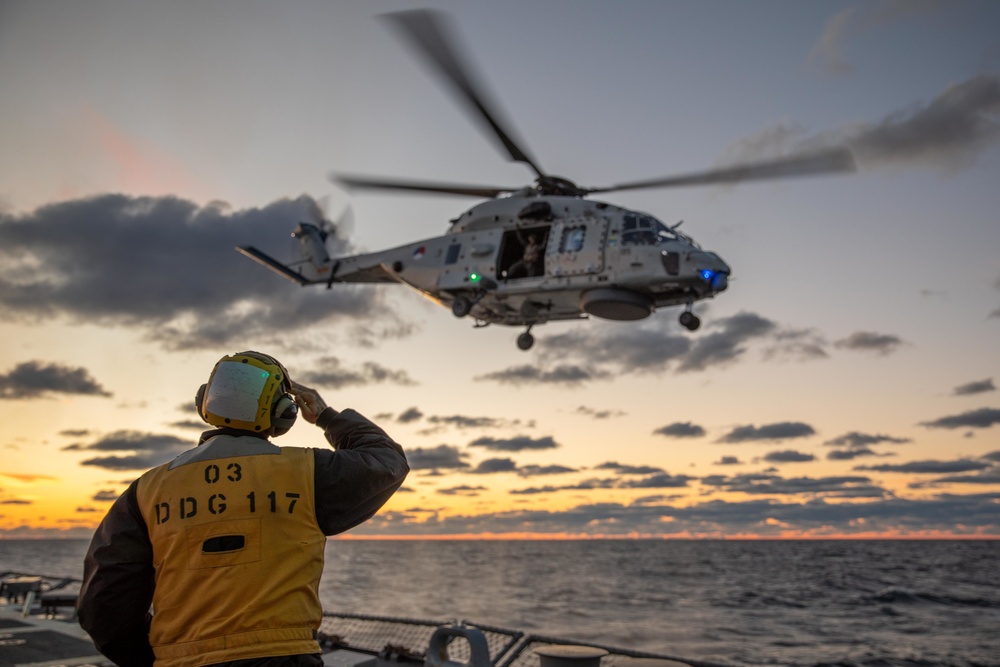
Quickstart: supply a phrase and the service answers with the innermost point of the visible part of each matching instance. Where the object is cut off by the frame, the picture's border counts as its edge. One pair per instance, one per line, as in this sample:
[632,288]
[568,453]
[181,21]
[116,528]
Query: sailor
[224,545]
[528,265]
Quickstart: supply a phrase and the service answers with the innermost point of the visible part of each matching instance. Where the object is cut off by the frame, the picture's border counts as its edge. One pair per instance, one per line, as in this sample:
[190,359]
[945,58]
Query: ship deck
[38,628]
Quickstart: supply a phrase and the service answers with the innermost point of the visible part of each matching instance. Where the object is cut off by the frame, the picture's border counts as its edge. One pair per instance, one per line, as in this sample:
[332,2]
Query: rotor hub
[556,185]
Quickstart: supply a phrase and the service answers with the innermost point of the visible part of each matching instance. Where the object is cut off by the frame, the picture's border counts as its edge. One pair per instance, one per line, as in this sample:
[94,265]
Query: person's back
[215,517]
[227,540]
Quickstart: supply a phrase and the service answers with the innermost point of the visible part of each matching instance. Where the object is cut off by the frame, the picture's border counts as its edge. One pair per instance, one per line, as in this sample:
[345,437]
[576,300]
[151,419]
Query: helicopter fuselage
[590,258]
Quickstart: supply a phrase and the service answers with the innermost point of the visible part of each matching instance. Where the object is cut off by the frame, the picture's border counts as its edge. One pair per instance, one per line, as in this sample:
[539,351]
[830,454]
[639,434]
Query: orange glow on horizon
[566,537]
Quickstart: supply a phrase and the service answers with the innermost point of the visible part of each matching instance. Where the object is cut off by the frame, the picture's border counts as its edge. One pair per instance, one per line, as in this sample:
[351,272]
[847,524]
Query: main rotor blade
[807,164]
[429,33]
[361,182]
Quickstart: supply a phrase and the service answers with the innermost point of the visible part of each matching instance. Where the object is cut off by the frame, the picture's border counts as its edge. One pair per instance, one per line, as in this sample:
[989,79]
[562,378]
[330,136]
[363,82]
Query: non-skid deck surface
[19,648]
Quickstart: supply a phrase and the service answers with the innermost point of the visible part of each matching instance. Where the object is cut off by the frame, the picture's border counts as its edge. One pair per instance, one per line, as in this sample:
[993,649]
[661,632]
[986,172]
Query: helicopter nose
[713,270]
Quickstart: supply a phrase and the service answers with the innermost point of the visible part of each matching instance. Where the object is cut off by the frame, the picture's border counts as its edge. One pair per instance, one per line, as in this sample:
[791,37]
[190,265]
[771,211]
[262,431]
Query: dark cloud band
[167,267]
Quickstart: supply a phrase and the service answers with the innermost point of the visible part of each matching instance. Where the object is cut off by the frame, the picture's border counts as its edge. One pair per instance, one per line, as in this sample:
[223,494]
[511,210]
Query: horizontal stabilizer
[275,265]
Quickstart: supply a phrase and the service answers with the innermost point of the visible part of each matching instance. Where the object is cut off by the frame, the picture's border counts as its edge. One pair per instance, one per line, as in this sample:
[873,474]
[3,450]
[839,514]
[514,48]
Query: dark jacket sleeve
[118,581]
[354,481]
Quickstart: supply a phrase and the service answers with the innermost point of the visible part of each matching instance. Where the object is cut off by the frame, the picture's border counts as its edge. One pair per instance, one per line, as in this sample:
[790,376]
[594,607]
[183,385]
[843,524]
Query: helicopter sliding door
[522,253]
[576,247]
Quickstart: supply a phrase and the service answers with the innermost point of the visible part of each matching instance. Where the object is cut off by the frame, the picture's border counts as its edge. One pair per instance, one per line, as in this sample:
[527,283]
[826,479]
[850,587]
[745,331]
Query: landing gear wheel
[461,306]
[525,341]
[689,321]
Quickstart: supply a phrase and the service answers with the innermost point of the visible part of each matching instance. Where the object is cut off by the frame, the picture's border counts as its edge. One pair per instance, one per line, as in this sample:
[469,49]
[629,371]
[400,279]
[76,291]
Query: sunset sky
[844,385]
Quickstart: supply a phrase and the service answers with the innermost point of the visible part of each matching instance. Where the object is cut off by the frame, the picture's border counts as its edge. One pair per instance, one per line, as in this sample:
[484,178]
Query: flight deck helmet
[249,391]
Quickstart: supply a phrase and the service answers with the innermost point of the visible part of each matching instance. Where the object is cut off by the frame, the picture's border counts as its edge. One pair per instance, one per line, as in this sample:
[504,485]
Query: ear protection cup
[284,411]
[199,400]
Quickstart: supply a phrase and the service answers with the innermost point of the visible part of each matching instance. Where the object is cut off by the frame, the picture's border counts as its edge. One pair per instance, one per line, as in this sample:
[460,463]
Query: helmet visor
[235,391]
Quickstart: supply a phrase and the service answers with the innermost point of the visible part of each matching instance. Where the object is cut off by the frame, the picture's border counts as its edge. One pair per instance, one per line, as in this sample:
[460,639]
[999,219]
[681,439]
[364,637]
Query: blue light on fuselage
[707,274]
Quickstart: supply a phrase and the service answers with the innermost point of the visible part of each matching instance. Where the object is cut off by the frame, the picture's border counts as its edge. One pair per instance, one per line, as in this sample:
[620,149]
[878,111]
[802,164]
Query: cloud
[849,454]
[516,444]
[981,418]
[129,462]
[17,501]
[801,345]
[105,495]
[827,54]
[466,422]
[330,372]
[168,268]
[29,478]
[929,467]
[369,335]
[777,431]
[728,461]
[537,471]
[660,480]
[644,347]
[958,514]
[191,424]
[537,490]
[725,346]
[410,415]
[432,458]
[788,456]
[867,341]
[990,476]
[33,379]
[680,430]
[463,490]
[566,374]
[770,483]
[627,469]
[598,414]
[490,466]
[654,346]
[971,388]
[148,450]
[856,439]
[375,373]
[948,133]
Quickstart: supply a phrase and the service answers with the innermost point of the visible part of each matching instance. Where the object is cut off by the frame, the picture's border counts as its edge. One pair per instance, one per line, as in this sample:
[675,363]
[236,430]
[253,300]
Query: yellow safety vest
[237,551]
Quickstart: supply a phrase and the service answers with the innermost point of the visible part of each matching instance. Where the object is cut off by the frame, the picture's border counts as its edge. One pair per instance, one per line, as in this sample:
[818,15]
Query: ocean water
[810,603]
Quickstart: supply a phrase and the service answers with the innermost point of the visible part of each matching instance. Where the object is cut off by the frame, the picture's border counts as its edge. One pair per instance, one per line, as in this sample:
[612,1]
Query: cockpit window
[640,230]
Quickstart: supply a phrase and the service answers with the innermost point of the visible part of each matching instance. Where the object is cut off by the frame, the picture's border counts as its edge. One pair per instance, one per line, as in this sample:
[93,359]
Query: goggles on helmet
[241,391]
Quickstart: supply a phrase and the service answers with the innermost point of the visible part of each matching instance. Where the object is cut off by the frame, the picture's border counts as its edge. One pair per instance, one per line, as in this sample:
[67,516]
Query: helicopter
[542,252]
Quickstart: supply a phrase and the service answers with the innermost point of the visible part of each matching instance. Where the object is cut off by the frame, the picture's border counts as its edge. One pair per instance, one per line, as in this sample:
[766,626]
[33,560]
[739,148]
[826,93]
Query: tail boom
[284,270]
